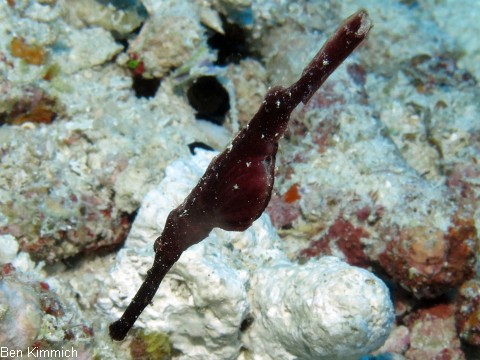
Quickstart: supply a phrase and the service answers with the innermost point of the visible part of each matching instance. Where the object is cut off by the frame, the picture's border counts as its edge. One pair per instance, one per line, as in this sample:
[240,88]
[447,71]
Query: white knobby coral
[320,309]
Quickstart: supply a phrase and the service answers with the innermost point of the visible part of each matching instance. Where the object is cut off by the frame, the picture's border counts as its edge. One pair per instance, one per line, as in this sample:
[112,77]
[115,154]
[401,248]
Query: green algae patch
[150,346]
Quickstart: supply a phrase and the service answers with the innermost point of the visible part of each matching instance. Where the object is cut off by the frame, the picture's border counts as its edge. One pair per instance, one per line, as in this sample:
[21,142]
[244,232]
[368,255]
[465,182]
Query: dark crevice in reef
[146,88]
[209,98]
[198,145]
[246,323]
[232,46]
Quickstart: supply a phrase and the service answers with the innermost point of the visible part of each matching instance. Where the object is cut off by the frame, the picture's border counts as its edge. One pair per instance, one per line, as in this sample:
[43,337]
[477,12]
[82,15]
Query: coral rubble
[379,169]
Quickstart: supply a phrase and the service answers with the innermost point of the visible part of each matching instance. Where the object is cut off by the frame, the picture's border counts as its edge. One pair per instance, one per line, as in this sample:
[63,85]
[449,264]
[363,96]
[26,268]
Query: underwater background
[110,111]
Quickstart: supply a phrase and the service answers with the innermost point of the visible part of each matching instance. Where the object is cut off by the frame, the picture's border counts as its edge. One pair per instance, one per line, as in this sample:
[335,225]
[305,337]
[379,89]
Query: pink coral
[346,237]
[427,261]
[433,335]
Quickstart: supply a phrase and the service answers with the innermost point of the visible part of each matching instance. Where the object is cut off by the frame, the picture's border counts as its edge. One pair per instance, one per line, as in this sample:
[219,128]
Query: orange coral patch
[40,114]
[32,54]
[292,194]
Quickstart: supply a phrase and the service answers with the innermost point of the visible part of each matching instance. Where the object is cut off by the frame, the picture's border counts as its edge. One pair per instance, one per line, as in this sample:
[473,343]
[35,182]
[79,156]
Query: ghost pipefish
[237,185]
